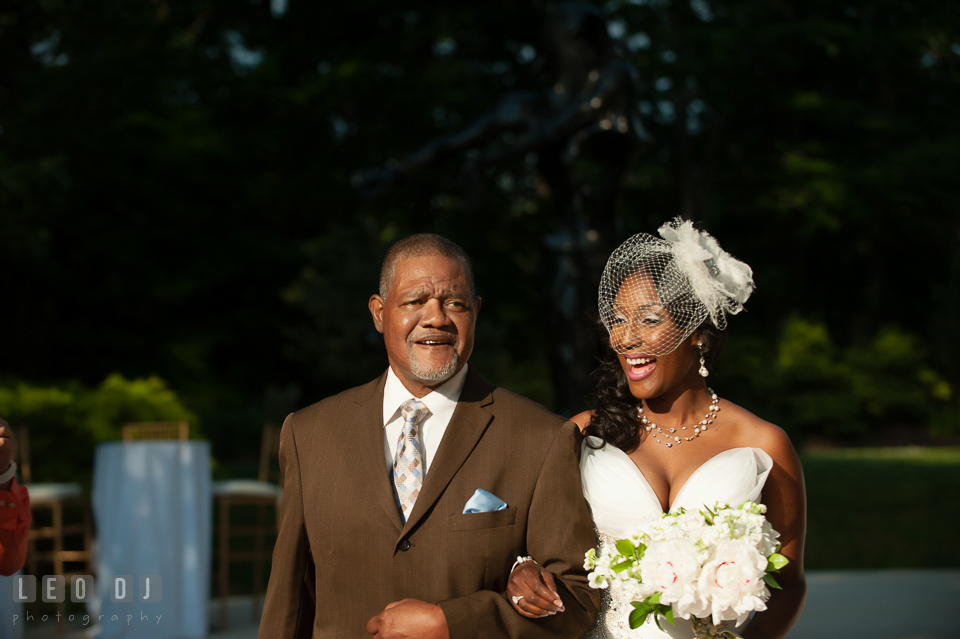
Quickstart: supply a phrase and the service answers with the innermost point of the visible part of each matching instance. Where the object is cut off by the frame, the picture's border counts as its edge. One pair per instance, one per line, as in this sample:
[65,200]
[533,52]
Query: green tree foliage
[176,197]
[815,387]
[66,422]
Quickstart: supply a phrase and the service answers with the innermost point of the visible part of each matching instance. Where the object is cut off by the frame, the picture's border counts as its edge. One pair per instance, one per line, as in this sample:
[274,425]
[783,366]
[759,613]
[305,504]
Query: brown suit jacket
[343,553]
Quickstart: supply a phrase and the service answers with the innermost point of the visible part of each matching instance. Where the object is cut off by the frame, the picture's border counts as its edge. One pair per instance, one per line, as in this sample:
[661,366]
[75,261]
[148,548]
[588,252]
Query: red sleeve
[14,528]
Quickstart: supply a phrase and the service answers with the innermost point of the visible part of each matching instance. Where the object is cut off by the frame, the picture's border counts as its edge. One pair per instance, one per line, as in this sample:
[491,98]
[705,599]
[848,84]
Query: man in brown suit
[384,530]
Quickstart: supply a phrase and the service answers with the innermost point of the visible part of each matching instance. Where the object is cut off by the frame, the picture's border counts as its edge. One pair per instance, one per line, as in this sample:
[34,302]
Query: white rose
[732,582]
[671,568]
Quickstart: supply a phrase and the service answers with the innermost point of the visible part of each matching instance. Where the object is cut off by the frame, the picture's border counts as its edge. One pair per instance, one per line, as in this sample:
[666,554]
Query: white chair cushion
[40,493]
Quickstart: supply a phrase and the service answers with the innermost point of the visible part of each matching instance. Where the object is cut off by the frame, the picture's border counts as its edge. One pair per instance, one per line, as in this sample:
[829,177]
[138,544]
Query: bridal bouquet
[710,566]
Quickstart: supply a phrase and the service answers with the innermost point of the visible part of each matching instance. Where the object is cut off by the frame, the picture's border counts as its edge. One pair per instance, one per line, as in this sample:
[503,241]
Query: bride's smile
[639,367]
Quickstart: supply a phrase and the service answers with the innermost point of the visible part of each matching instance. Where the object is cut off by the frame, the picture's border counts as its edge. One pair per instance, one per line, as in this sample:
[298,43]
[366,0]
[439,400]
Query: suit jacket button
[405,545]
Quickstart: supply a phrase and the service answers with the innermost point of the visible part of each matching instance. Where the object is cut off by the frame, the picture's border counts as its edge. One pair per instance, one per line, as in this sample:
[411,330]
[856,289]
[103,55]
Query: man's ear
[476,305]
[376,311]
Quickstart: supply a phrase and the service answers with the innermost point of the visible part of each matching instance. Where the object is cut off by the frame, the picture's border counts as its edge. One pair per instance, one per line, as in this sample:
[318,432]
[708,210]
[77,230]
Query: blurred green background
[179,237]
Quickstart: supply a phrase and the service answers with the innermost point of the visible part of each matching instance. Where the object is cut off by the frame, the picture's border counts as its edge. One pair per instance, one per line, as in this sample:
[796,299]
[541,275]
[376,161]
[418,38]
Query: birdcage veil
[656,291]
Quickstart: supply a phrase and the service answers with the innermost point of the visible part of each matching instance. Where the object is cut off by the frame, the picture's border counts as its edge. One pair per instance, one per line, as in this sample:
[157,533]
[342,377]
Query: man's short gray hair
[422,245]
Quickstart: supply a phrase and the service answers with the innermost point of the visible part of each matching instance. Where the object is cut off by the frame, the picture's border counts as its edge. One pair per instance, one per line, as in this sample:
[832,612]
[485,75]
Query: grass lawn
[882,508]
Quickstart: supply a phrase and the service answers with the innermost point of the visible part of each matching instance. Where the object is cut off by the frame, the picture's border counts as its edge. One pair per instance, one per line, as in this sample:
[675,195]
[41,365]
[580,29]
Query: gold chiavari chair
[264,492]
[141,431]
[55,498]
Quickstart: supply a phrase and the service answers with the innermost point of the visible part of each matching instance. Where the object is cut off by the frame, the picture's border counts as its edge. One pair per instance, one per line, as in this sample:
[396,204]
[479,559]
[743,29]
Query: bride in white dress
[660,440]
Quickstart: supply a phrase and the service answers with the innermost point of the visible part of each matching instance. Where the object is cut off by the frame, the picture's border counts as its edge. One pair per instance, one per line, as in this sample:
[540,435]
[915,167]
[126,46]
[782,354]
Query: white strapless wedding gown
[620,497]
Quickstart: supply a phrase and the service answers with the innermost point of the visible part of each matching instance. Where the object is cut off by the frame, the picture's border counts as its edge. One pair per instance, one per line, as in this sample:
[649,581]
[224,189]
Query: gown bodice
[620,498]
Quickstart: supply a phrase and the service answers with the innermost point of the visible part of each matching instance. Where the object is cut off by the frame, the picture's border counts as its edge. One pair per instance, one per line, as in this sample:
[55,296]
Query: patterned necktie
[408,463]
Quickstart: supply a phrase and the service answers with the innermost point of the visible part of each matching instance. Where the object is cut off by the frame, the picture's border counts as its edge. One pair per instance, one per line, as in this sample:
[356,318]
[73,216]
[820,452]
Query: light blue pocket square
[483,502]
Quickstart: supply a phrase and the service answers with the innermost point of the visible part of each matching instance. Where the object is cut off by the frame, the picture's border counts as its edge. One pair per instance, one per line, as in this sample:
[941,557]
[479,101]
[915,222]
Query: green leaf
[625,547]
[642,610]
[668,614]
[623,565]
[772,582]
[645,608]
[778,561]
[708,515]
[653,599]
[642,548]
[638,616]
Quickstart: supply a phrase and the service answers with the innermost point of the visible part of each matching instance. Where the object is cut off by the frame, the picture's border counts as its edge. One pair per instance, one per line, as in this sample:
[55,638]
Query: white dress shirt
[440,404]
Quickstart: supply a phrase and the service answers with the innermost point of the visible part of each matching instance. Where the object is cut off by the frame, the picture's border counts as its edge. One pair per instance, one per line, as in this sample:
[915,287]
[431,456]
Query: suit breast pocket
[479,521]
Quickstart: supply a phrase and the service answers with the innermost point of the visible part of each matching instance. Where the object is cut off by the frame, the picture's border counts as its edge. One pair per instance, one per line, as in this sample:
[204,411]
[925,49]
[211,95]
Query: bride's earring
[703,364]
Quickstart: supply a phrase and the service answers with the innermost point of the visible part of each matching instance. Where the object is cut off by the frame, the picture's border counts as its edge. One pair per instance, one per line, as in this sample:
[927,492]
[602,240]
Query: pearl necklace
[697,428]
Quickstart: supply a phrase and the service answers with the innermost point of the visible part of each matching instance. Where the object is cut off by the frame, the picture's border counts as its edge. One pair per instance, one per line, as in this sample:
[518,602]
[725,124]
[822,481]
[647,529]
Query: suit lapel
[467,425]
[369,420]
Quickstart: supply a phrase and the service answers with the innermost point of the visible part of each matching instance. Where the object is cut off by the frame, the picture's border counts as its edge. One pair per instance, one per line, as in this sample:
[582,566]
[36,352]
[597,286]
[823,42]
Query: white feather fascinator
[656,291]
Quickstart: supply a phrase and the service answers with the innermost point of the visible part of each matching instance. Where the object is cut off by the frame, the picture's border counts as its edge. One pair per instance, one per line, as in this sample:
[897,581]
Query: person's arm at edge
[559,532]
[582,420]
[784,495]
[288,604]
[14,527]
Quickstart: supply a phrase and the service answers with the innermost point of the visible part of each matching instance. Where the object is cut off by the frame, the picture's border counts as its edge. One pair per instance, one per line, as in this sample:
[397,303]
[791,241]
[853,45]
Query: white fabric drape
[152,505]
[10,627]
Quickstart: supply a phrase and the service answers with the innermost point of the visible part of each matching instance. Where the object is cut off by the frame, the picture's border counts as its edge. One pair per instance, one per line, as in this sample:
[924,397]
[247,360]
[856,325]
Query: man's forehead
[440,288]
[431,273]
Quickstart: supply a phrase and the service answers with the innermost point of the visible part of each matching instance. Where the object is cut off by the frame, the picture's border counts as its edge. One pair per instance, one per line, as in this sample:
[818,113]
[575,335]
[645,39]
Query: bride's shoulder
[756,432]
[582,420]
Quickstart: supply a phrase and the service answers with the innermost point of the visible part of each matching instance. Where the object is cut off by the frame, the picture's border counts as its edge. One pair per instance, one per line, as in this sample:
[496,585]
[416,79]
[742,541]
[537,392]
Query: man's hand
[409,619]
[8,448]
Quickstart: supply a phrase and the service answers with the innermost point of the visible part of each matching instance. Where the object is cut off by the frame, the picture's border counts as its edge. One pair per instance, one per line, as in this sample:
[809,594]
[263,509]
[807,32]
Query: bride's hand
[532,591]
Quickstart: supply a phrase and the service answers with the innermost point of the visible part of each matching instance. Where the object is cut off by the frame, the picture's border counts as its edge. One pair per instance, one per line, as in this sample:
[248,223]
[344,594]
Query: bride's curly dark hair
[615,418]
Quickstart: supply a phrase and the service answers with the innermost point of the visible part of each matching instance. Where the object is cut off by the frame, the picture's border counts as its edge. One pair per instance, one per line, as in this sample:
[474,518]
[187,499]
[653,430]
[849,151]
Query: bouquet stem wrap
[705,629]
